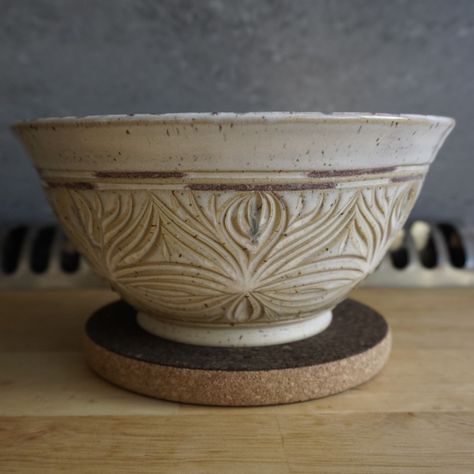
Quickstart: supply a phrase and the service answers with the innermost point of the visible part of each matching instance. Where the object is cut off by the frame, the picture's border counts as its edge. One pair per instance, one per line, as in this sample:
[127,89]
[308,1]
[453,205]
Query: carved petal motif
[234,257]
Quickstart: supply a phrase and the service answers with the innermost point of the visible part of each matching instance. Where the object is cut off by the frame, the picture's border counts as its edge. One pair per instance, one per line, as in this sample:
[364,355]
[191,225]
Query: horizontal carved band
[232,181]
[52,184]
[154,175]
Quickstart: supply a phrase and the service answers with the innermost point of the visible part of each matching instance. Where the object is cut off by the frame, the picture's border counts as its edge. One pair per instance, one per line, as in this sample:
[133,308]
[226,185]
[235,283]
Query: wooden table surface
[416,416]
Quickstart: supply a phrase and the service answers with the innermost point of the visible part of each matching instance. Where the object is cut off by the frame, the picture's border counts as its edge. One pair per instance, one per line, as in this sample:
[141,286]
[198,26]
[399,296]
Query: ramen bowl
[233,229]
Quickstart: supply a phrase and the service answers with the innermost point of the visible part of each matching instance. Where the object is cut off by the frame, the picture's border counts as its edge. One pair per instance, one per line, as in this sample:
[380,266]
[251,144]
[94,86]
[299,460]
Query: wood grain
[416,416]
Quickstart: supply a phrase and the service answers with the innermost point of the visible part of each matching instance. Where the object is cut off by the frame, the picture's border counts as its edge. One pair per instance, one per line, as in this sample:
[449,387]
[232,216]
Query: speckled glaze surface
[234,229]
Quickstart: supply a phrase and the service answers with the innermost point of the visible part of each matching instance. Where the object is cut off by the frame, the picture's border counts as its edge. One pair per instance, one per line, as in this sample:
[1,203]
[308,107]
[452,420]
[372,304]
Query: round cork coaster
[349,352]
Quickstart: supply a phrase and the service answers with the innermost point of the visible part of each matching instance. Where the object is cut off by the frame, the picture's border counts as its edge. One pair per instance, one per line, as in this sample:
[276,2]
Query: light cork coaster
[349,352]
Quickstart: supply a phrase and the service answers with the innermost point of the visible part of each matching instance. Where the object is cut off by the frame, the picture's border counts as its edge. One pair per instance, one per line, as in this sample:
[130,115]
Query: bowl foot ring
[352,350]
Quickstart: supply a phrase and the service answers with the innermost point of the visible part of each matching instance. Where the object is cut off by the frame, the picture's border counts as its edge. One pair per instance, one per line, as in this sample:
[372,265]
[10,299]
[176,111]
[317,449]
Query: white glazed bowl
[234,229]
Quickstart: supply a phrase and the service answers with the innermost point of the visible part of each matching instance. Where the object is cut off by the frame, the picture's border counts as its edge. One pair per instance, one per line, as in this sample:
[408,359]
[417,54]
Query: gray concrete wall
[70,57]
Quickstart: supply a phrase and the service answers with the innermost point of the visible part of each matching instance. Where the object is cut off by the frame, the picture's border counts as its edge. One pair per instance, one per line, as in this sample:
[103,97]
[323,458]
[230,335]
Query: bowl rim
[239,118]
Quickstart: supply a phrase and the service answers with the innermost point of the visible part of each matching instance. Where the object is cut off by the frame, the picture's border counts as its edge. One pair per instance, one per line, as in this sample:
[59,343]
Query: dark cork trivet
[349,352]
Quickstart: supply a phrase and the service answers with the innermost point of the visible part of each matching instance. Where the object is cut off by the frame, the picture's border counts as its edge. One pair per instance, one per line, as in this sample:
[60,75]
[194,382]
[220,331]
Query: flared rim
[224,117]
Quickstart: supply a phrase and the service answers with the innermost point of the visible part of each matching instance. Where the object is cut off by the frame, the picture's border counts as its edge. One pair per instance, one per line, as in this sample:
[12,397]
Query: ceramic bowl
[234,229]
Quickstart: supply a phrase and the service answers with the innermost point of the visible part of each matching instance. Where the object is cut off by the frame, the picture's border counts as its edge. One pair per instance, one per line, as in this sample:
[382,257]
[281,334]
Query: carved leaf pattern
[235,257]
[112,236]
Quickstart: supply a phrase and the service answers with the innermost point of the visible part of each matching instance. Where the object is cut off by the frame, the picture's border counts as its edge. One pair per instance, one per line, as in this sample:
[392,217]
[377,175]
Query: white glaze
[236,222]
[234,142]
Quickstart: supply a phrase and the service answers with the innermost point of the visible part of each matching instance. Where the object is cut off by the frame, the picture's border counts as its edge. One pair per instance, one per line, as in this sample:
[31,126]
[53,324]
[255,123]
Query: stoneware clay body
[234,229]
